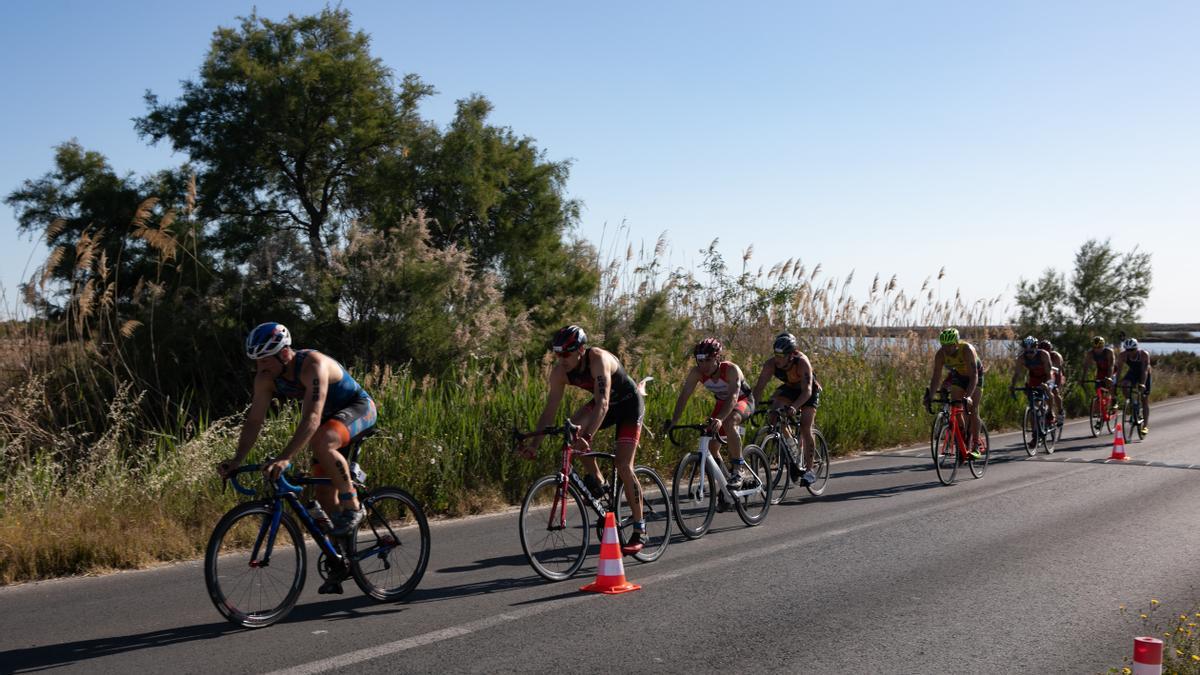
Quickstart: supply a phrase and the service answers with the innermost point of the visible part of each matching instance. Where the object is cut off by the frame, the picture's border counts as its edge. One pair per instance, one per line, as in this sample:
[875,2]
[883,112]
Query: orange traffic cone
[1118,452]
[610,577]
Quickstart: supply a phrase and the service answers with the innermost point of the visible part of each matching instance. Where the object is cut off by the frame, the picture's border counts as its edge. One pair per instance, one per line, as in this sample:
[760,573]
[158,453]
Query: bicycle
[1131,412]
[555,537]
[1035,424]
[695,499]
[1101,412]
[949,440]
[781,455]
[386,556]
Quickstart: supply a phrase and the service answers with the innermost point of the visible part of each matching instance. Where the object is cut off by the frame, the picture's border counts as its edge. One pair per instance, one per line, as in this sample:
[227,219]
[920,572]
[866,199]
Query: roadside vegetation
[434,262]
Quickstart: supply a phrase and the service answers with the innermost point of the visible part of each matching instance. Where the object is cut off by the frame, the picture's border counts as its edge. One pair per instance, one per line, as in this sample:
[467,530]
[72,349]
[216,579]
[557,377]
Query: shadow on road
[487,563]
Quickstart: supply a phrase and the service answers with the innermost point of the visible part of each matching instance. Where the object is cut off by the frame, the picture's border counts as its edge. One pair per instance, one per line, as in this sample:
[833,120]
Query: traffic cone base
[610,573]
[1118,451]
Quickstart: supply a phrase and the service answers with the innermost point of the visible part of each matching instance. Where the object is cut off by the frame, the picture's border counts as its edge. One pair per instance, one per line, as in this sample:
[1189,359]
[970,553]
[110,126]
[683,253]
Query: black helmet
[785,343]
[569,339]
[706,348]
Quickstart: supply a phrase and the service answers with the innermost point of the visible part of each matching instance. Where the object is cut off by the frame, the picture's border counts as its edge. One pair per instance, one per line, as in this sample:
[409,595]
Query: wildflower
[1143,616]
[1153,601]
[1196,657]
[1126,671]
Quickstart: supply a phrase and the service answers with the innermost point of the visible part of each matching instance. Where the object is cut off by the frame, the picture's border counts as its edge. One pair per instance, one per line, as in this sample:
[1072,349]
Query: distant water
[1001,346]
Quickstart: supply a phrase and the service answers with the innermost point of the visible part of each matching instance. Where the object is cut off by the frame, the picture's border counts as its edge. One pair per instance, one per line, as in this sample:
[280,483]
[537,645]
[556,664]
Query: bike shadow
[62,654]
[515,560]
[853,495]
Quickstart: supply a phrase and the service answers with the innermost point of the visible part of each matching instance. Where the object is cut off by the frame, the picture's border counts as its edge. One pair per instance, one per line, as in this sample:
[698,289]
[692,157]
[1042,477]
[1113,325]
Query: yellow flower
[1196,657]
[1143,616]
[1153,601]
[1126,671]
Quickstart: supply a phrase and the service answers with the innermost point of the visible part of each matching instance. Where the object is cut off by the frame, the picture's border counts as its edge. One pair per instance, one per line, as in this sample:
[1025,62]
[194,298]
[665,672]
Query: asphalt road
[888,572]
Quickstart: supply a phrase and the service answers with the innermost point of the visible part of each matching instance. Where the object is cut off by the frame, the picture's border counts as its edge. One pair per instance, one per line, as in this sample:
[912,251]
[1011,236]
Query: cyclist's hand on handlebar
[666,427]
[225,469]
[714,425]
[275,469]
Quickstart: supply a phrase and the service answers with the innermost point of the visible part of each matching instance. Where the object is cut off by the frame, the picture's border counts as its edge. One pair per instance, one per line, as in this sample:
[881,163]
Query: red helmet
[568,339]
[706,348]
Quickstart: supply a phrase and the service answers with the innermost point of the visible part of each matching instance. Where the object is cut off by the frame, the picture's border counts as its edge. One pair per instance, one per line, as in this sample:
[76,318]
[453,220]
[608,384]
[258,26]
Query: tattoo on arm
[316,389]
[602,388]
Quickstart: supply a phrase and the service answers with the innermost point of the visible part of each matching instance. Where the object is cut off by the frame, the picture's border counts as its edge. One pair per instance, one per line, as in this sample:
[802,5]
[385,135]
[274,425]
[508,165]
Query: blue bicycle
[256,561]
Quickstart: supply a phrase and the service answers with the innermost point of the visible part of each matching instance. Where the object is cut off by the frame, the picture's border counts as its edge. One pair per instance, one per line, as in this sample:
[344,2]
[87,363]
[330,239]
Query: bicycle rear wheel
[1029,430]
[656,510]
[693,498]
[389,552]
[820,465]
[753,507]
[554,528]
[978,466]
[945,459]
[253,580]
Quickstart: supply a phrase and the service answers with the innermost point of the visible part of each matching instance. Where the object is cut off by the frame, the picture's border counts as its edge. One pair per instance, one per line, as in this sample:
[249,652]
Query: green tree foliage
[1104,296]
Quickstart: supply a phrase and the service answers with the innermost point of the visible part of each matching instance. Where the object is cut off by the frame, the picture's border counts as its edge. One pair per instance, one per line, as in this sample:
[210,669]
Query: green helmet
[948,336]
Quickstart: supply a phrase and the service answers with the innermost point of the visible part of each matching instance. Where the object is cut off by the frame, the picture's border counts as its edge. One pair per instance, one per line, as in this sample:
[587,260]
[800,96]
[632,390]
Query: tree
[283,118]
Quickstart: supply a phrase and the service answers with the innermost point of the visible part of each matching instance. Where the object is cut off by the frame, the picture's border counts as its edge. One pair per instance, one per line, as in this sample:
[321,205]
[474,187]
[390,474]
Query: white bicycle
[700,482]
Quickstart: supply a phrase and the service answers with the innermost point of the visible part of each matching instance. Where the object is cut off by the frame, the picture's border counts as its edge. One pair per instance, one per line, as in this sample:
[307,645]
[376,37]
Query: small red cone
[1118,452]
[610,576]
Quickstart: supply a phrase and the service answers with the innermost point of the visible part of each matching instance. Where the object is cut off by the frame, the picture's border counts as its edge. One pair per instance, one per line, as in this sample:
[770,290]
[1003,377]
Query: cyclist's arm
[973,384]
[315,374]
[938,363]
[1018,368]
[1146,370]
[558,383]
[689,386]
[602,393]
[264,389]
[806,379]
[763,378]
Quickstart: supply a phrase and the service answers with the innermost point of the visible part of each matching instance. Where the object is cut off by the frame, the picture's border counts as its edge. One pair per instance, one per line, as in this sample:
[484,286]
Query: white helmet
[267,339]
[1130,343]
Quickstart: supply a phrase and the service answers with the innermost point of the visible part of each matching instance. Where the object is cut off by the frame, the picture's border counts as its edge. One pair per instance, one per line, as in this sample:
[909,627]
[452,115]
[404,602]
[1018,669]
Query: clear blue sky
[889,137]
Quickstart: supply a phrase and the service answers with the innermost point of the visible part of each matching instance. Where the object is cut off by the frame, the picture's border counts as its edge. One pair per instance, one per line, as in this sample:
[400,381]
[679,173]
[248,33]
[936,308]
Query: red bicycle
[1102,413]
[949,440]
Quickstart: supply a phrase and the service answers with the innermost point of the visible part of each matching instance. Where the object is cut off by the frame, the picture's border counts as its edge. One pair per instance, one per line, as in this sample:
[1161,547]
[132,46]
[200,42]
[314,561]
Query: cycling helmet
[948,336]
[267,339]
[569,339]
[1097,341]
[1131,343]
[1029,342]
[706,348]
[1045,344]
[785,343]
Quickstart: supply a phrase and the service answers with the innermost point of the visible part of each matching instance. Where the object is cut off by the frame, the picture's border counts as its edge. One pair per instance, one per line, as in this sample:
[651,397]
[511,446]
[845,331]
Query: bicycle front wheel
[820,465]
[1127,420]
[1095,417]
[389,552]
[753,506]
[777,459]
[978,466]
[554,528]
[656,511]
[1049,431]
[1029,431]
[945,459]
[254,576]
[692,497]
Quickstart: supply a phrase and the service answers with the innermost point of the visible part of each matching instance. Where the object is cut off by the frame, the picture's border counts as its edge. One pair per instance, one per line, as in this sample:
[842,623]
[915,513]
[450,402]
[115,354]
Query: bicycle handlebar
[568,429]
[685,427]
[281,484]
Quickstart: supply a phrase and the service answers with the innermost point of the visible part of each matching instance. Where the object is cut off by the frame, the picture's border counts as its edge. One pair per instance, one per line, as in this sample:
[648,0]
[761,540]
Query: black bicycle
[554,524]
[1035,424]
[256,561]
[1132,418]
[782,455]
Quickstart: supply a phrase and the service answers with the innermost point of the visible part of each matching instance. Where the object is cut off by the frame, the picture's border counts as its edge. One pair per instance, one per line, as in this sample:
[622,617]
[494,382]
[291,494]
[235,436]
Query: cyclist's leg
[1146,403]
[629,432]
[808,414]
[333,434]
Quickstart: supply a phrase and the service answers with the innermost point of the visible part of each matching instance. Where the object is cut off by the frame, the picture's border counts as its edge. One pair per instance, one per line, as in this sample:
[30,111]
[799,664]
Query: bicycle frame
[721,483]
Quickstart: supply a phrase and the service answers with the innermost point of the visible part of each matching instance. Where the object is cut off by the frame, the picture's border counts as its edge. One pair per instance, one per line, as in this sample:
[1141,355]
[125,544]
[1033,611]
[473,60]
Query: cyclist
[1138,375]
[616,401]
[334,409]
[1102,356]
[965,380]
[800,387]
[1058,372]
[734,403]
[1036,362]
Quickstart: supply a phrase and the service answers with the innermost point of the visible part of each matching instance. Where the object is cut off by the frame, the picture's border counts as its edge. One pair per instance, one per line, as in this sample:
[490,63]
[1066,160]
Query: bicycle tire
[656,510]
[1029,430]
[1049,431]
[693,508]
[820,465]
[946,456]
[555,552]
[777,459]
[978,466]
[390,551]
[1139,419]
[752,509]
[1095,417]
[239,585]
[935,430]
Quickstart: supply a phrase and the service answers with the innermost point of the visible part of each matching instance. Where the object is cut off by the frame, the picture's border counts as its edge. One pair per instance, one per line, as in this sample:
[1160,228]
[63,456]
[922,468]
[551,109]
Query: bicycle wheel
[253,578]
[1049,431]
[1110,417]
[945,455]
[554,528]
[692,497]
[1095,417]
[978,466]
[1127,416]
[1029,430]
[753,507]
[1139,420]
[777,456]
[820,465]
[935,432]
[656,510]
[389,552]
